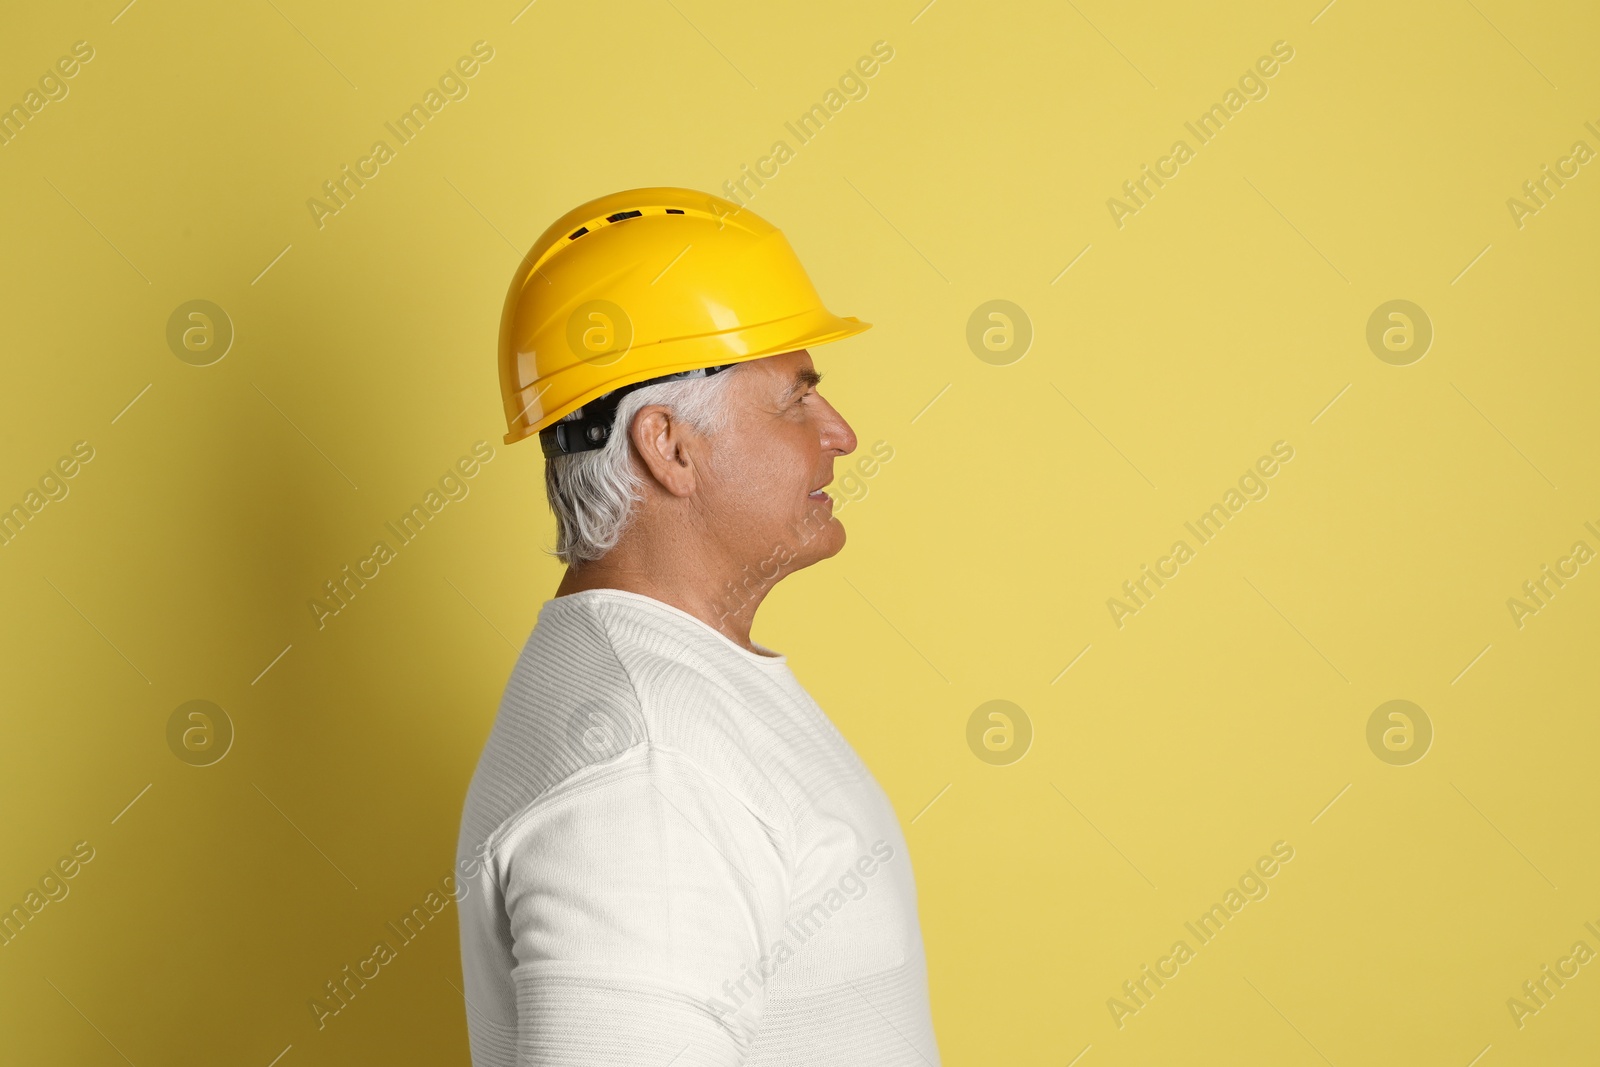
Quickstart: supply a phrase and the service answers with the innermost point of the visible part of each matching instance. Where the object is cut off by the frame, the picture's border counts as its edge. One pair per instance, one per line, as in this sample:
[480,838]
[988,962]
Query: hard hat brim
[805,330]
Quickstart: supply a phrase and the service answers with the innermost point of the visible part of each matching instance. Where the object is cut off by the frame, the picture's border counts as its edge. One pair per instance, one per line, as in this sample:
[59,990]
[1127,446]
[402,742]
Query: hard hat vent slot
[674,211]
[619,216]
[579,232]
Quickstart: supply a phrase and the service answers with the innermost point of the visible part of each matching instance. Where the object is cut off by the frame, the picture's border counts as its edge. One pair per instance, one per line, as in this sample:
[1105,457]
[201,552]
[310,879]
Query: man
[671,856]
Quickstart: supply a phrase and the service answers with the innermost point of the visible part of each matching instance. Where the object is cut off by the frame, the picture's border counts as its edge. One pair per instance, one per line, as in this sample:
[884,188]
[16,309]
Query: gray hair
[592,493]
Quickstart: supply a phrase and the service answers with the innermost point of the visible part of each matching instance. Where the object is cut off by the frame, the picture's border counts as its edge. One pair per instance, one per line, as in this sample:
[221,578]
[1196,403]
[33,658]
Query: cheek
[776,465]
[753,486]
[762,478]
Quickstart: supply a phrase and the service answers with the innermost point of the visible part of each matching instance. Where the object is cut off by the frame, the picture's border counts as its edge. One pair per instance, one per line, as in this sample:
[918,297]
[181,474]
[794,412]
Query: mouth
[819,495]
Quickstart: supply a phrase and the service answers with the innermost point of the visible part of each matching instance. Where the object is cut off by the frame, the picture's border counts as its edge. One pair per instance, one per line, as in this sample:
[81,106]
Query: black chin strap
[589,427]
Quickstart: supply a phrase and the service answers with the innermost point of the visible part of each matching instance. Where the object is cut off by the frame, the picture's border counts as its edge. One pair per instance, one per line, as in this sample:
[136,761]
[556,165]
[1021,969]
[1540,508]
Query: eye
[811,383]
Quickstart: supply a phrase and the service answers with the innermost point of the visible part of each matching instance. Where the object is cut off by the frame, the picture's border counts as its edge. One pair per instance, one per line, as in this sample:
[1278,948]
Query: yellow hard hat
[642,285]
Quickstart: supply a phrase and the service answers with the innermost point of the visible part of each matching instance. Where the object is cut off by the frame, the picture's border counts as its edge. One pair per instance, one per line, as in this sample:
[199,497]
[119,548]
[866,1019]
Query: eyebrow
[803,380]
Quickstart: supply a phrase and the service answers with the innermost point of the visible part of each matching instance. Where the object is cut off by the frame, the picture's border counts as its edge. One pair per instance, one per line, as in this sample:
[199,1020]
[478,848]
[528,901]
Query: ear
[665,443]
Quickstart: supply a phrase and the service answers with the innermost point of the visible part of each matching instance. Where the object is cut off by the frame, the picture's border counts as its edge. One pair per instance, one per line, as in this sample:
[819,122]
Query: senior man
[671,857]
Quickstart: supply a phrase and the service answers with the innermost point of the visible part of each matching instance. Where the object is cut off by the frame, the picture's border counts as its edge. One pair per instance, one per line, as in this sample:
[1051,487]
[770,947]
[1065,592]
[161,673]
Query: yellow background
[1226,315]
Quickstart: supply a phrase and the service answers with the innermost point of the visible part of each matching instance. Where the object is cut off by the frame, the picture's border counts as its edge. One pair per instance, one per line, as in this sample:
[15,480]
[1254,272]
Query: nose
[837,436]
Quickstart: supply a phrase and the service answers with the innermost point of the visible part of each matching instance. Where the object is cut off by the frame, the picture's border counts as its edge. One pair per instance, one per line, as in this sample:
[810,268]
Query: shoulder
[594,683]
[637,801]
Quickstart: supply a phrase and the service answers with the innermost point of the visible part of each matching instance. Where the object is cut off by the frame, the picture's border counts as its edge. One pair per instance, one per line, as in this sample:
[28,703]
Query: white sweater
[672,858]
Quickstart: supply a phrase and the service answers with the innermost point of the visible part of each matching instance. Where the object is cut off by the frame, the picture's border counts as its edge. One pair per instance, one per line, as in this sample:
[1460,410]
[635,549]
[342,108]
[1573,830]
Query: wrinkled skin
[725,517]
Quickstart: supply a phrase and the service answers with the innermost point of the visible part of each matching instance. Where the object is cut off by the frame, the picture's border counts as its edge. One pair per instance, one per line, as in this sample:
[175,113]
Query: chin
[816,540]
[841,538]
[830,540]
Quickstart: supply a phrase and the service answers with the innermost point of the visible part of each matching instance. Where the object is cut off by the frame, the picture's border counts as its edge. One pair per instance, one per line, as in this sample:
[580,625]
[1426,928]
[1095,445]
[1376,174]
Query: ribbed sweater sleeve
[635,892]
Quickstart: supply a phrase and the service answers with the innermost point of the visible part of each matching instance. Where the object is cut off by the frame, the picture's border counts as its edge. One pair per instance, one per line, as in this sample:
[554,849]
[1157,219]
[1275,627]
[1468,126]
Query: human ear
[662,441]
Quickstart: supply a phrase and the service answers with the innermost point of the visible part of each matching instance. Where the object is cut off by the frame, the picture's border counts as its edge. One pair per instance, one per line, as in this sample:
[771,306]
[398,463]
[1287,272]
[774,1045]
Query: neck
[715,591]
